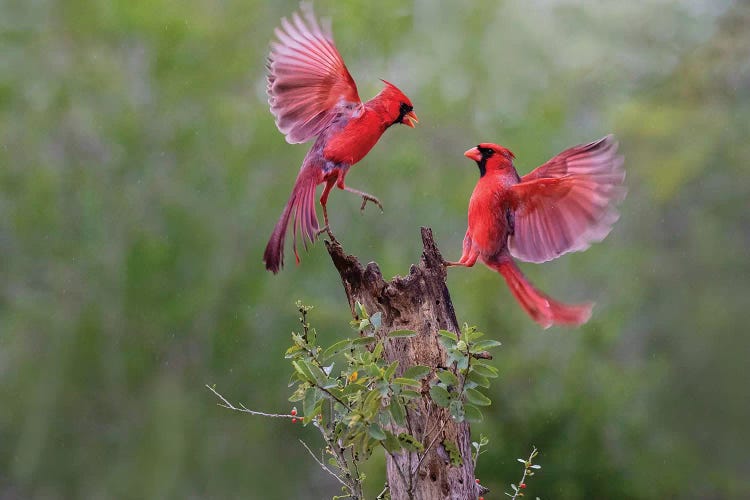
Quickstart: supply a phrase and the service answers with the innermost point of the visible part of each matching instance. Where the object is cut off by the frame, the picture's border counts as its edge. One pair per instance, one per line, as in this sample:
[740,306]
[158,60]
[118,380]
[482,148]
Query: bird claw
[370,198]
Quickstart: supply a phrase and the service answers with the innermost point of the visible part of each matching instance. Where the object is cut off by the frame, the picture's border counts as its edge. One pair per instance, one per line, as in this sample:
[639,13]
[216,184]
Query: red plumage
[311,94]
[562,206]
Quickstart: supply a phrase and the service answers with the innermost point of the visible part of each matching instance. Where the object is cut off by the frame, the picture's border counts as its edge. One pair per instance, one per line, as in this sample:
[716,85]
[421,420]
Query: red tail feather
[542,308]
[302,204]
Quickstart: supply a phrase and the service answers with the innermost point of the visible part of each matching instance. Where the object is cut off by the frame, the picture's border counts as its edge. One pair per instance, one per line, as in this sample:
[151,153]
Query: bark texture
[419,302]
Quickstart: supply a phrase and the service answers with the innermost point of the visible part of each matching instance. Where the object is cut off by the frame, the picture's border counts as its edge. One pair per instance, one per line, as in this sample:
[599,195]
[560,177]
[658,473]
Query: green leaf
[457,410]
[378,351]
[298,339]
[372,370]
[476,397]
[448,335]
[453,454]
[294,378]
[447,377]
[304,370]
[297,395]
[398,412]
[478,379]
[377,319]
[327,413]
[484,369]
[320,377]
[360,310]
[456,357]
[402,333]
[391,442]
[409,442]
[316,410]
[471,335]
[417,371]
[293,351]
[390,370]
[311,397]
[440,395]
[408,394]
[336,348]
[382,387]
[483,345]
[473,414]
[372,404]
[407,381]
[312,336]
[462,363]
[363,340]
[352,388]
[364,323]
[376,432]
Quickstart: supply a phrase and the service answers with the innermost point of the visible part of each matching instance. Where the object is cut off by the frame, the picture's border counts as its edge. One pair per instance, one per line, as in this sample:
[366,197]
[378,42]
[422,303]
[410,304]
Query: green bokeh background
[141,174]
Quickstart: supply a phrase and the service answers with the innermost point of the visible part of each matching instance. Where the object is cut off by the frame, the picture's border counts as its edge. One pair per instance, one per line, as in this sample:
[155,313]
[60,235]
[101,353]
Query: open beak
[410,119]
[473,154]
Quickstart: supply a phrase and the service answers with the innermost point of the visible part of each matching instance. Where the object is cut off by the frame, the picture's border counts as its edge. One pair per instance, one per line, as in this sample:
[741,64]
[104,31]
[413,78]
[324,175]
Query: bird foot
[368,197]
[326,229]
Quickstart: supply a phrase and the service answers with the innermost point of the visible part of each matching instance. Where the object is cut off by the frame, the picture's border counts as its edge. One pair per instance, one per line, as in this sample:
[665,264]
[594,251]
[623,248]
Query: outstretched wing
[569,202]
[308,83]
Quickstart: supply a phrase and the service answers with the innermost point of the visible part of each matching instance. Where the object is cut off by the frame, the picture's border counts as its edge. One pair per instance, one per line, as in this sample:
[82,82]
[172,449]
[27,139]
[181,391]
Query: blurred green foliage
[141,173]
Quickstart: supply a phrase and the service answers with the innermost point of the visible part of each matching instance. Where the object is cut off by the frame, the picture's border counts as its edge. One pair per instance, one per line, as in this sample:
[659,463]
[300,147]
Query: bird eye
[485,152]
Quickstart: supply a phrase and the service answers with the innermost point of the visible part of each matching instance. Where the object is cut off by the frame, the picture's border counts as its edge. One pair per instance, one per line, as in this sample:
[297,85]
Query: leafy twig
[528,471]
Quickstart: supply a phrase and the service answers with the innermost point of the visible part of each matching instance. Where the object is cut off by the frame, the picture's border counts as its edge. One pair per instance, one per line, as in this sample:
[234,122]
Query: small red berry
[477,480]
[522,485]
[481,498]
[293,412]
[294,420]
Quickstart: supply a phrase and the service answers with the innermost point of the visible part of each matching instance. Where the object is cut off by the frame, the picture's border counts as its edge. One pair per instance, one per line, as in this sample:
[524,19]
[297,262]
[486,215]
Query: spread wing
[569,202]
[308,83]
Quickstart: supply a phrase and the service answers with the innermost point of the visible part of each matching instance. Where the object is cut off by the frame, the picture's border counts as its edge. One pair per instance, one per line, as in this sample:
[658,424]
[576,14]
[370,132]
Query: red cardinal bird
[562,206]
[312,94]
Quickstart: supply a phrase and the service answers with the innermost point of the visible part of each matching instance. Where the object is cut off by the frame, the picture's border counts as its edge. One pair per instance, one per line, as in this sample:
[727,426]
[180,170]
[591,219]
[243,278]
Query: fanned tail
[301,204]
[542,308]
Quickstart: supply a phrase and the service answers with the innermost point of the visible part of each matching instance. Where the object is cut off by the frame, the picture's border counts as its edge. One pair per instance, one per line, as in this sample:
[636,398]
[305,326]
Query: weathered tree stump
[419,302]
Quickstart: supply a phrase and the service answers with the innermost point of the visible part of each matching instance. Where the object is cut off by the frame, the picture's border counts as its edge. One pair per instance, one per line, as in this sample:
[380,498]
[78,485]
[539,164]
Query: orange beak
[410,119]
[473,154]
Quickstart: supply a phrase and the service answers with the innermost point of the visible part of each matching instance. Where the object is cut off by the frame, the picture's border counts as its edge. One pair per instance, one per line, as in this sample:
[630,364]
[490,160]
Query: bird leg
[365,196]
[468,256]
[323,202]
[467,260]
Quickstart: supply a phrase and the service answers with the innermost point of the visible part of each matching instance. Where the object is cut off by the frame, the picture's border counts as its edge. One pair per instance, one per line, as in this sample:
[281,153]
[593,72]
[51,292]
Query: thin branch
[334,397]
[424,455]
[400,472]
[242,408]
[322,465]
[381,495]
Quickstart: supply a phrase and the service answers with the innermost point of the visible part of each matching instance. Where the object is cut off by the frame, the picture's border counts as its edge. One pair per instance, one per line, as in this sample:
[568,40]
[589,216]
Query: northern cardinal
[312,94]
[562,206]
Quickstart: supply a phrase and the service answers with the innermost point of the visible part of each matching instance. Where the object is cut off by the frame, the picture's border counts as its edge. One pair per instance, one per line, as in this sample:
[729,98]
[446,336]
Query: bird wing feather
[568,203]
[308,83]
